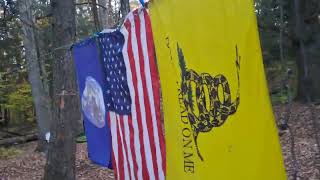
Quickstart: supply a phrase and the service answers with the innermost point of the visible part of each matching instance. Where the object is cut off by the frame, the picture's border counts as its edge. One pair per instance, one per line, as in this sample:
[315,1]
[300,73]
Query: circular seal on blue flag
[93,103]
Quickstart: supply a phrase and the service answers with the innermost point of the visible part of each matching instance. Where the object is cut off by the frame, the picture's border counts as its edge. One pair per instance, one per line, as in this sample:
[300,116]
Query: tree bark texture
[111,15]
[283,63]
[95,15]
[103,14]
[40,96]
[61,154]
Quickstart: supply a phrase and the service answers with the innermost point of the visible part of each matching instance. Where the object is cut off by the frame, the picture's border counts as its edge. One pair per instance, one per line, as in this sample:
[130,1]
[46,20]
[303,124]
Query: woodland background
[33,40]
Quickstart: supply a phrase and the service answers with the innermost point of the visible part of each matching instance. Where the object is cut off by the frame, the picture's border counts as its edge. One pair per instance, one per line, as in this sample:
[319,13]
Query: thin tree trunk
[281,35]
[110,14]
[95,15]
[61,154]
[103,14]
[40,97]
[304,83]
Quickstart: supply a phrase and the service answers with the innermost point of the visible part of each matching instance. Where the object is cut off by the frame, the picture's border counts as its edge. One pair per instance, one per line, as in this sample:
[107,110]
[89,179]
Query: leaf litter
[23,163]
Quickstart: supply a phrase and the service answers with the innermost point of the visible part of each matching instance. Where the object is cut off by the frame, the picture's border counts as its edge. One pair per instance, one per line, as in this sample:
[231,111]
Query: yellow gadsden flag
[219,123]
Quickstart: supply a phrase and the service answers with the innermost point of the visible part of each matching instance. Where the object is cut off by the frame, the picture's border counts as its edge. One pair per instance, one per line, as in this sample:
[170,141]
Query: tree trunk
[95,15]
[304,82]
[40,97]
[61,154]
[124,8]
[103,14]
[283,63]
[111,16]
[42,64]
[42,143]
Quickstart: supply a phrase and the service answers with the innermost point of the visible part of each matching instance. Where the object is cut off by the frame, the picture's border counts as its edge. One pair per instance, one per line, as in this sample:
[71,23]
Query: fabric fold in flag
[133,99]
[91,81]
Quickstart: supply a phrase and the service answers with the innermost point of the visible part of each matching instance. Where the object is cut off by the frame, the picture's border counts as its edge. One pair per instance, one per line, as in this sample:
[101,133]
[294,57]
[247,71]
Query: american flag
[133,99]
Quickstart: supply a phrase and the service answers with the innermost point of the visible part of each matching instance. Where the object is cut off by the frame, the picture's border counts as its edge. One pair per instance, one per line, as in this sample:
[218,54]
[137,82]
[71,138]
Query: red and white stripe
[137,140]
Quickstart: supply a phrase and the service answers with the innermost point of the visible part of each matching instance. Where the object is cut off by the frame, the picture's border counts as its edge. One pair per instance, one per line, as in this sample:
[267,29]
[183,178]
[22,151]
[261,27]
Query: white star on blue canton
[117,99]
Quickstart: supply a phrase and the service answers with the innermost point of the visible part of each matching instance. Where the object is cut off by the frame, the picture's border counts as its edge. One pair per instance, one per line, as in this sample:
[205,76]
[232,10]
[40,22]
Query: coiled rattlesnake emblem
[213,112]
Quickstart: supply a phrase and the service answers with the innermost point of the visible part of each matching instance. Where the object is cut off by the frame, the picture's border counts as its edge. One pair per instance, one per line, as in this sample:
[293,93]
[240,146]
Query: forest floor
[305,147]
[21,162]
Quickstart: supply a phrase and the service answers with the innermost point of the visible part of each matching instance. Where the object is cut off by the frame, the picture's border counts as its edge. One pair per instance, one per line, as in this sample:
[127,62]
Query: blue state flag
[91,81]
